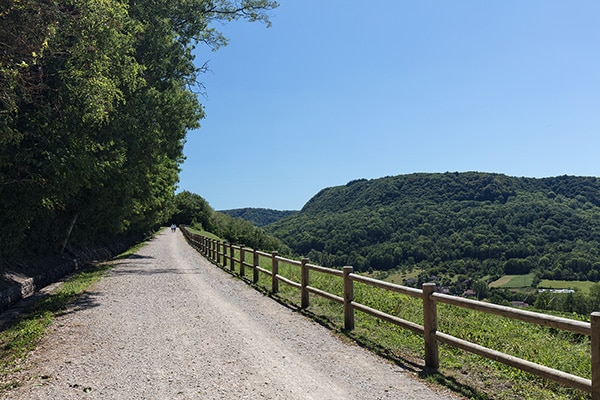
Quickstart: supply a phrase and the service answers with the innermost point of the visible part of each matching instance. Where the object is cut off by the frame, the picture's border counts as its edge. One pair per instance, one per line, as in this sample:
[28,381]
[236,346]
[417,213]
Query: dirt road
[167,324]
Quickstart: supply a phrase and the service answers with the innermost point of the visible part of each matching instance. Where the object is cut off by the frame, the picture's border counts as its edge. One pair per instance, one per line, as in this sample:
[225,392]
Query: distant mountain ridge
[481,224]
[259,216]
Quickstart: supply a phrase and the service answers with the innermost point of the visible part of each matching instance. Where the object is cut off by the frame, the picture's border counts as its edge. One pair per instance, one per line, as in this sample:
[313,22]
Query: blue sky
[338,90]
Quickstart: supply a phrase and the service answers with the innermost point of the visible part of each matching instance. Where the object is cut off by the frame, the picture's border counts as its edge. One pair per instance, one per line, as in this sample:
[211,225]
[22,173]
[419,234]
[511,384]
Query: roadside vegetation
[22,335]
[469,375]
[194,212]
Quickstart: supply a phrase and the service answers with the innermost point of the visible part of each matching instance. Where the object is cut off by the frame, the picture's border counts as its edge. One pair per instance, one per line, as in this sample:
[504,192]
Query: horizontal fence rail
[223,254]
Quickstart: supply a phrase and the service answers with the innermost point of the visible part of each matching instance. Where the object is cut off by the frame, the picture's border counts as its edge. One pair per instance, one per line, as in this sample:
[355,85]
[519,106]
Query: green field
[583,286]
[523,281]
[513,281]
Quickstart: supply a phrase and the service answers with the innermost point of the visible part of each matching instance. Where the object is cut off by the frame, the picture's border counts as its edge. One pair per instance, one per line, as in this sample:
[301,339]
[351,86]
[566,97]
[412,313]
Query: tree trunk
[71,225]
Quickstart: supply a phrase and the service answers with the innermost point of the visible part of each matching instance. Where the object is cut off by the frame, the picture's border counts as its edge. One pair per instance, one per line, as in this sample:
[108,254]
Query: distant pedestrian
[173,227]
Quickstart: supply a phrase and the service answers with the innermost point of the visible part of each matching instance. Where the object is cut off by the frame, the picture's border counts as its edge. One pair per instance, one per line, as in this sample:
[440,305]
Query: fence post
[274,272]
[224,254]
[242,266]
[304,302]
[348,299]
[595,342]
[212,250]
[432,359]
[232,257]
[218,252]
[255,269]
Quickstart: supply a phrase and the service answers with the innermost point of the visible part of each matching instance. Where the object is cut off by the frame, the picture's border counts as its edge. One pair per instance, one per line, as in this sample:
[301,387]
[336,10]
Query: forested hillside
[96,98]
[477,224]
[259,216]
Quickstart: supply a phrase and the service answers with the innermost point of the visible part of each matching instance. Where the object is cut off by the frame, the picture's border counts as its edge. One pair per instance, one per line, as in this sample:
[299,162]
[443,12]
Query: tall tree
[96,97]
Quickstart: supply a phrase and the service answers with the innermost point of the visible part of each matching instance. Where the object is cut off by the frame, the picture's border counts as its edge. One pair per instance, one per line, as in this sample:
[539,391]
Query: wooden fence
[223,254]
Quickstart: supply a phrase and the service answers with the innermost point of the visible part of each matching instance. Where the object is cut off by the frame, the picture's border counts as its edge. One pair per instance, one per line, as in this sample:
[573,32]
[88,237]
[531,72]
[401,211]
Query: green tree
[481,288]
[594,297]
[191,207]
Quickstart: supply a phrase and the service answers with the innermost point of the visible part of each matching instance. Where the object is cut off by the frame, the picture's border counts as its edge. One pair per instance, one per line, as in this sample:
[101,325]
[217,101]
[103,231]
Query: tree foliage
[192,209]
[96,97]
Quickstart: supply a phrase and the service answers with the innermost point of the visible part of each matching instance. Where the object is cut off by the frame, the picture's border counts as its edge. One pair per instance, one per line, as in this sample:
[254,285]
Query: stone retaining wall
[26,286]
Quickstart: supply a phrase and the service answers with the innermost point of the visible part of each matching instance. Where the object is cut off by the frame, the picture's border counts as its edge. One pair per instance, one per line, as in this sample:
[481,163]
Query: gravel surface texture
[167,324]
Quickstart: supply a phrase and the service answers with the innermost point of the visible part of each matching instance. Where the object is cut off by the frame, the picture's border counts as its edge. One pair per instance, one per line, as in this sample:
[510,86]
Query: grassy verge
[203,233]
[22,336]
[472,376]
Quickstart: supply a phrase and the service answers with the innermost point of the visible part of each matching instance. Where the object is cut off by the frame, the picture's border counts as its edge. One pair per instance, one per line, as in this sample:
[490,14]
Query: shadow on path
[45,304]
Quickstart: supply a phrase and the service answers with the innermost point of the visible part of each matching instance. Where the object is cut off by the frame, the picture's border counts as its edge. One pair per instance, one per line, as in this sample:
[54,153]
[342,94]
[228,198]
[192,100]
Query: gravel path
[167,324]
